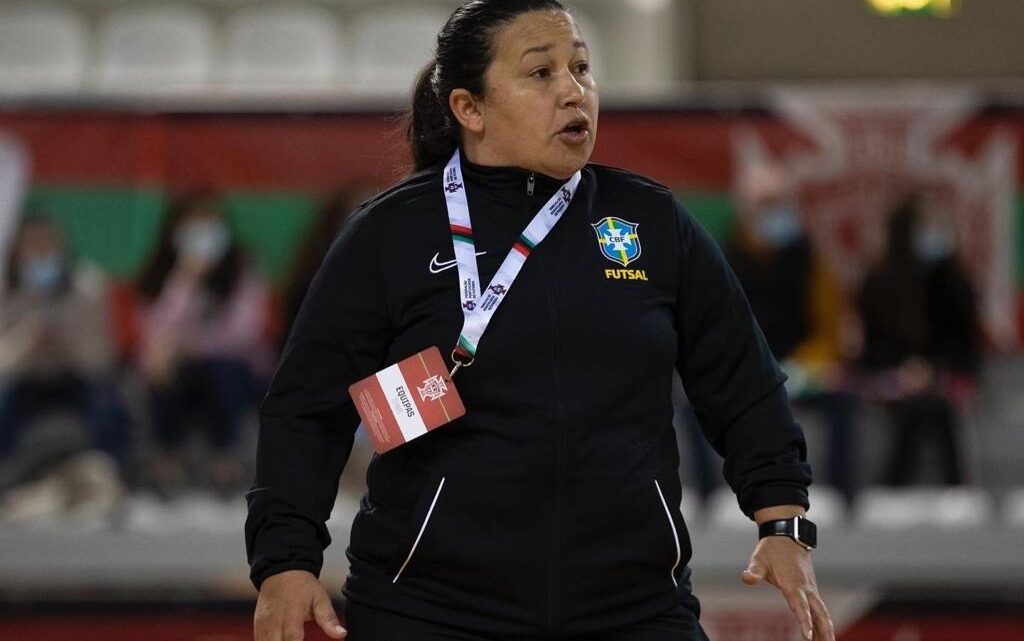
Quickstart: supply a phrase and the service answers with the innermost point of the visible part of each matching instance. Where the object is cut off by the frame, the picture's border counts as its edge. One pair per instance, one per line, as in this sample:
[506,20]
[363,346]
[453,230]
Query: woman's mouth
[576,132]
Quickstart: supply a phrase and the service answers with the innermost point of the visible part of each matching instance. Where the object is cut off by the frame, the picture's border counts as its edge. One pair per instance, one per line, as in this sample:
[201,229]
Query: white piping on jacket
[422,529]
[675,534]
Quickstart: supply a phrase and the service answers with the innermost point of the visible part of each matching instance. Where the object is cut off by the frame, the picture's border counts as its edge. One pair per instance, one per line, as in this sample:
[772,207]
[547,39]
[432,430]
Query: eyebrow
[579,44]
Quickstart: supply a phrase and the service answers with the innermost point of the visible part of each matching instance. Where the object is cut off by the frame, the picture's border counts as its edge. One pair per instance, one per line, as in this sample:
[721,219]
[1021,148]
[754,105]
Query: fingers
[798,603]
[326,617]
[823,628]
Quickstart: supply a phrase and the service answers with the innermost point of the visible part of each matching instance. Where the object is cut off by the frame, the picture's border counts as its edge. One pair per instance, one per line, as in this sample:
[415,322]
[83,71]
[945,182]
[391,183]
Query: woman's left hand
[783,563]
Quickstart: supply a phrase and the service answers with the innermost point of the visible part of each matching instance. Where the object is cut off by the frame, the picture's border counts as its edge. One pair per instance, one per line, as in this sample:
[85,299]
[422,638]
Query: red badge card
[407,400]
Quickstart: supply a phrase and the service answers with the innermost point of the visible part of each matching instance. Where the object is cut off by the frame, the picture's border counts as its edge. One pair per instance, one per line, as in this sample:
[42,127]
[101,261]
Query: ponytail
[433,136]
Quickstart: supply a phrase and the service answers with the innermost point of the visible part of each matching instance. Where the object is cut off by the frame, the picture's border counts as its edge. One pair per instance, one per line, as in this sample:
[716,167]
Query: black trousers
[916,421]
[365,623]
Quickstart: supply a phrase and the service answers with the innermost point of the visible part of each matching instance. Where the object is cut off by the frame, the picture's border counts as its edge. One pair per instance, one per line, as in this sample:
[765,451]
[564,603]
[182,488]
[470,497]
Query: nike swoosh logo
[438,266]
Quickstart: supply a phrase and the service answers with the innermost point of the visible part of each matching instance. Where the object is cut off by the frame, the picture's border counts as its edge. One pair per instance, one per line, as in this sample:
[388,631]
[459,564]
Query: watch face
[808,533]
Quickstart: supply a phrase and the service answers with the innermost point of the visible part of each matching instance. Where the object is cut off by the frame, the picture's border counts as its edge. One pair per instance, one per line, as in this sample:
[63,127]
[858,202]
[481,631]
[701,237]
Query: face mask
[933,244]
[206,240]
[778,226]
[41,274]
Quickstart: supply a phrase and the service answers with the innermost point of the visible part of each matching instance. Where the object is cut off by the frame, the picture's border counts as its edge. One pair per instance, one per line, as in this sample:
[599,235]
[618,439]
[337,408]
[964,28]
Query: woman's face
[40,259]
[540,105]
[39,241]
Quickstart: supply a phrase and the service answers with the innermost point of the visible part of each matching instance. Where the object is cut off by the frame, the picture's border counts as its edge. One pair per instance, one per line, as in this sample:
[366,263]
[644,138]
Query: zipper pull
[530,183]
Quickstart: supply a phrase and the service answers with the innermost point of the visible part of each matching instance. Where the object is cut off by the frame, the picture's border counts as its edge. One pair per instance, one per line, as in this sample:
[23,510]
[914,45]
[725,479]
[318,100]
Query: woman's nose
[573,93]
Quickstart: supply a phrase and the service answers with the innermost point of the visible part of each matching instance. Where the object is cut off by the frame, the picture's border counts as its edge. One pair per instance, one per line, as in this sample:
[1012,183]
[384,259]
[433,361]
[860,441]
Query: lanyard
[478,305]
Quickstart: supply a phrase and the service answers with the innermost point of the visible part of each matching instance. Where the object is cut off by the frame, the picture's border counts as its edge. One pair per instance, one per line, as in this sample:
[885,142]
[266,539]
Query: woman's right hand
[915,376]
[289,599]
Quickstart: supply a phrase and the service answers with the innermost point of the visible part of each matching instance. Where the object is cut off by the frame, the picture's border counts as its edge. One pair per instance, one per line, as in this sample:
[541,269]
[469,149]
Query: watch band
[798,528]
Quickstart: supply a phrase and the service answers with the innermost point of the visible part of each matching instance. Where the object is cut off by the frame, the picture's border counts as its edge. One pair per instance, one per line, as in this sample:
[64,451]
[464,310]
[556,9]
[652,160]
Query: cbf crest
[618,240]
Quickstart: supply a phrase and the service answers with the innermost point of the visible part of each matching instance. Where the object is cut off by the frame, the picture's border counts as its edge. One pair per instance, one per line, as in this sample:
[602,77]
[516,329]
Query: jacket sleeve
[733,381]
[307,420]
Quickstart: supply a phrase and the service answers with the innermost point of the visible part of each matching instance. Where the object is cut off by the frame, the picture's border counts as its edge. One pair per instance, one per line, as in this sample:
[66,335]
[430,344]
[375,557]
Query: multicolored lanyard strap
[478,305]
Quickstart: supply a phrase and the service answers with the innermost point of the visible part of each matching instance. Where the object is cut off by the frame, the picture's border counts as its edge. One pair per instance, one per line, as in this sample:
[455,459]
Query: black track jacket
[554,503]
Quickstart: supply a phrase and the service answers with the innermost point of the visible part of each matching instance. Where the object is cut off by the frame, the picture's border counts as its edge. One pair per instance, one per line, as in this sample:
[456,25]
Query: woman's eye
[543,72]
[583,68]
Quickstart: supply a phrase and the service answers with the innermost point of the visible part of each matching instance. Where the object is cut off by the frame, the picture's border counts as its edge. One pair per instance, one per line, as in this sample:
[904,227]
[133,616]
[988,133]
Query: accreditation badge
[407,400]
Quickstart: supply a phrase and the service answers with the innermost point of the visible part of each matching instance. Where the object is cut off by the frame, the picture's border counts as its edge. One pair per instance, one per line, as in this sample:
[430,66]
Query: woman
[202,324]
[551,508]
[55,344]
[921,340]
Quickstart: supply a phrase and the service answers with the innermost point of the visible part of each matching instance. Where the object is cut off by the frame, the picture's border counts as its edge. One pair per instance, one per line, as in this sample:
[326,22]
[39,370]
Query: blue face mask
[933,245]
[41,274]
[778,225]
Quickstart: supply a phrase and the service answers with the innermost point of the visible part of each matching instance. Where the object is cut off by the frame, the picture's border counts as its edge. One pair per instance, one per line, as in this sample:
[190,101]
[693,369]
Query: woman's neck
[478,152]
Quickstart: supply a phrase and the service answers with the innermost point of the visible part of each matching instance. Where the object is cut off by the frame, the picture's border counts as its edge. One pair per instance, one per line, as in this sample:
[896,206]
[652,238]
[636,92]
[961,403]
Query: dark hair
[220,281]
[893,297]
[903,221]
[35,217]
[464,52]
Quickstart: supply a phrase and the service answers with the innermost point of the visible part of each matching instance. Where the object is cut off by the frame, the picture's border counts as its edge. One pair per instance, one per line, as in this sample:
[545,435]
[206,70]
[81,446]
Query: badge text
[625,274]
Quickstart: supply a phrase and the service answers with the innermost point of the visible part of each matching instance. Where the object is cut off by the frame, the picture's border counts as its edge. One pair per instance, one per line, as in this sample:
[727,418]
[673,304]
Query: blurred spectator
[332,215]
[55,347]
[14,179]
[921,338]
[798,304]
[202,321]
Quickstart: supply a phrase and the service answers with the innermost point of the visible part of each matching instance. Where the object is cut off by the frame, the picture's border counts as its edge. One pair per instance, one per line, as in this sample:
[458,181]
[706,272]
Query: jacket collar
[509,185]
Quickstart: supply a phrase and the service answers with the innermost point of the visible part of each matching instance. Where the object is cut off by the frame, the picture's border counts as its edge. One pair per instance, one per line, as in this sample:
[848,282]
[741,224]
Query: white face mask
[779,225]
[206,240]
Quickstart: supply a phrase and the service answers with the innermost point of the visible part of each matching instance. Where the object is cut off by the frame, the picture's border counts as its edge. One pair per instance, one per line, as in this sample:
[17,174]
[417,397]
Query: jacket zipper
[560,449]
[423,528]
[675,533]
[561,446]
[531,181]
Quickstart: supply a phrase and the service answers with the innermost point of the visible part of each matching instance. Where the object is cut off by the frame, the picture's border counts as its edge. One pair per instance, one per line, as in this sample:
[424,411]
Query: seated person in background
[203,315]
[55,344]
[921,339]
[798,304]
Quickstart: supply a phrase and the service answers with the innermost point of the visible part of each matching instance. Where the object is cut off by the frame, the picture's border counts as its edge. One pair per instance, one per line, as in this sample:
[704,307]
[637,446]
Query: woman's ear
[468,110]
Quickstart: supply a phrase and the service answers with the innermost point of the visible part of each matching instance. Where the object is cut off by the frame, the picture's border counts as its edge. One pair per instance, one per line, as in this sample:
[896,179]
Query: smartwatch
[798,528]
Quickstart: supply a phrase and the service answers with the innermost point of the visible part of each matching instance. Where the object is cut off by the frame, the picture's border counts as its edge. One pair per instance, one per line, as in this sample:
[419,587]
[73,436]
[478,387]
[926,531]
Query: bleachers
[899,509]
[392,43]
[43,48]
[1013,508]
[154,47]
[203,48]
[284,44]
